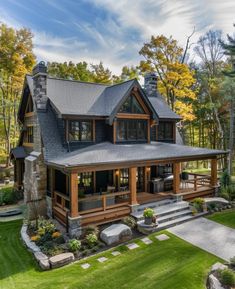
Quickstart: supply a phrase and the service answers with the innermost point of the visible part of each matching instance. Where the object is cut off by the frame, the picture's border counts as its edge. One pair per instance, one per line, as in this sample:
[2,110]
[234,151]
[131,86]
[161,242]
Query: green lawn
[161,265]
[226,218]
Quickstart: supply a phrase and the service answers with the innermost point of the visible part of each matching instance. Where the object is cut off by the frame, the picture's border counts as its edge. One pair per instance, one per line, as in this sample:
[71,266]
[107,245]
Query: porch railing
[199,180]
[103,202]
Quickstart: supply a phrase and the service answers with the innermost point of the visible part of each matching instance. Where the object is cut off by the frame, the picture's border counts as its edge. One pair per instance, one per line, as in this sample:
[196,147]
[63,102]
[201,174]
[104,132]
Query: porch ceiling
[104,155]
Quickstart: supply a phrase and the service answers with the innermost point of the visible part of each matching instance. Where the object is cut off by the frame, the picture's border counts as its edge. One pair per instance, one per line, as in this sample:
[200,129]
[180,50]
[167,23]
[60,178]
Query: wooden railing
[103,202]
[60,200]
[199,180]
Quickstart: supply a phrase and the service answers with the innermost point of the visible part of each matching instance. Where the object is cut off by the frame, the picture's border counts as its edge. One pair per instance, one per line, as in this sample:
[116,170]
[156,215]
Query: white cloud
[117,38]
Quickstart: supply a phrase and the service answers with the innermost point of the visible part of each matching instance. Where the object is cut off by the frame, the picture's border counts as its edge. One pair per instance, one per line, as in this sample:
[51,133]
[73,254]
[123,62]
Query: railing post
[195,183]
[104,202]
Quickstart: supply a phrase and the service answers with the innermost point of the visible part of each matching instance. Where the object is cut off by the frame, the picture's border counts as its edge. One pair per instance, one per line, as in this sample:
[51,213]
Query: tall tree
[165,57]
[210,52]
[16,59]
[229,87]
[100,74]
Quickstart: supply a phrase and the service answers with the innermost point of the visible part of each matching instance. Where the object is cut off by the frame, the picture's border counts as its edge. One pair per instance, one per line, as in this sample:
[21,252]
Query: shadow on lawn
[14,257]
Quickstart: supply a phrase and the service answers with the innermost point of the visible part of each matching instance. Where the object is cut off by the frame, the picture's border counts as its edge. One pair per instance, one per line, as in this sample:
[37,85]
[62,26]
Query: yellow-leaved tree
[16,59]
[166,58]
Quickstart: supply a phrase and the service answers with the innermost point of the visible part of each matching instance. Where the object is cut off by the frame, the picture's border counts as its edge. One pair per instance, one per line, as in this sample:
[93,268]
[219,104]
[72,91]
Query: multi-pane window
[165,131]
[131,130]
[131,105]
[140,179]
[80,131]
[29,134]
[124,177]
[85,182]
[29,105]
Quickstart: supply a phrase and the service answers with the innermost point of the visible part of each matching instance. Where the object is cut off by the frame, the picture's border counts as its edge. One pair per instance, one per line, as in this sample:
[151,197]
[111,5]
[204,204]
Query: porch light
[117,172]
[148,169]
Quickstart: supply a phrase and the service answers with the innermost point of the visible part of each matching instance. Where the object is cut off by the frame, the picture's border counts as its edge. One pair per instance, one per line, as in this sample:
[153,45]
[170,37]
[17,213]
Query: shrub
[92,230]
[225,179]
[232,261]
[224,193]
[91,240]
[46,226]
[148,213]
[227,277]
[129,221]
[74,245]
[198,204]
[35,238]
[56,235]
[8,196]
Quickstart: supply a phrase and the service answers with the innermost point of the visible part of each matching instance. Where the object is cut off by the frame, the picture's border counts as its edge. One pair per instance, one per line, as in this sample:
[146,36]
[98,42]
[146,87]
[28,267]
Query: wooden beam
[148,132]
[132,185]
[176,178]
[74,194]
[195,182]
[132,116]
[214,172]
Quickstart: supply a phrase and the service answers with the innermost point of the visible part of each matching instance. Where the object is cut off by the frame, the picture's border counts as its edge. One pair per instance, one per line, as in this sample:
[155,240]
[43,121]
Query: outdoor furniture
[111,189]
[157,185]
[184,179]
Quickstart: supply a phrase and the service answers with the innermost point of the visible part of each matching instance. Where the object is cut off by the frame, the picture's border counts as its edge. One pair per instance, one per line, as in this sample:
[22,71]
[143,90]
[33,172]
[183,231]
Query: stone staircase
[169,213]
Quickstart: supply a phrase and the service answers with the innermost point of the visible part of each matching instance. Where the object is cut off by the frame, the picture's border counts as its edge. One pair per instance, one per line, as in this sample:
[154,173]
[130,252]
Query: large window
[131,105]
[85,183]
[124,178]
[131,130]
[165,131]
[80,131]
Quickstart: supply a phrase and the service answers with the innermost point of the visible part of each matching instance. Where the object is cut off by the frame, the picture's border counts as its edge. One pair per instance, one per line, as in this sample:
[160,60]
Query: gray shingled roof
[50,134]
[162,109]
[108,153]
[84,98]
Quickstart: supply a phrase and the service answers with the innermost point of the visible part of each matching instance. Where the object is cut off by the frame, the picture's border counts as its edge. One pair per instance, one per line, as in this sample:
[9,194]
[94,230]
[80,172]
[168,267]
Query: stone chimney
[40,86]
[150,84]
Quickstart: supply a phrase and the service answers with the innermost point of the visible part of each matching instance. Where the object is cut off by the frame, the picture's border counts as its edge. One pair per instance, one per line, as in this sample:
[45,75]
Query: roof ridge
[129,80]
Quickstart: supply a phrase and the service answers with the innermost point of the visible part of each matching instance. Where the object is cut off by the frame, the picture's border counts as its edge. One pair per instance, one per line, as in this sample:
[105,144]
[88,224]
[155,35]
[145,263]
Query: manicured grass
[226,218]
[161,265]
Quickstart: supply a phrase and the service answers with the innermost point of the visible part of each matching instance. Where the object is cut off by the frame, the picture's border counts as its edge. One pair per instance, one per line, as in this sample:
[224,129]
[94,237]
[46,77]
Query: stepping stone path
[146,241]
[102,259]
[85,266]
[162,237]
[116,253]
[132,246]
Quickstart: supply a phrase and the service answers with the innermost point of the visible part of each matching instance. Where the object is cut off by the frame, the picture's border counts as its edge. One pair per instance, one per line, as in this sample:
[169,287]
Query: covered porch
[103,196]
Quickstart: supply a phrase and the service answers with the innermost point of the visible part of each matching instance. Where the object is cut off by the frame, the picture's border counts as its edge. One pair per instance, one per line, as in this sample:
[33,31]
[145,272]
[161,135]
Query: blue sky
[112,30]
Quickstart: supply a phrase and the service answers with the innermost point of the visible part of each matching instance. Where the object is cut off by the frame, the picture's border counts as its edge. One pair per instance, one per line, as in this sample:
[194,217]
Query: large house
[91,153]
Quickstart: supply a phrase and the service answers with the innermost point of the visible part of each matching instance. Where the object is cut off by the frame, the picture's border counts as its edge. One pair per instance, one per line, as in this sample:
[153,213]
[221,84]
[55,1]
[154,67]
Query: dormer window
[131,105]
[80,130]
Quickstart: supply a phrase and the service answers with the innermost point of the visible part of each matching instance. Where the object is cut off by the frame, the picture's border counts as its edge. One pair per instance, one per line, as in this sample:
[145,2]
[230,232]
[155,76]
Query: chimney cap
[40,68]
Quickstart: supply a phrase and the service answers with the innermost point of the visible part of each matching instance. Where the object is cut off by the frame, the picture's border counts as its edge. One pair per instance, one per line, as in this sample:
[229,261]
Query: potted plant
[148,216]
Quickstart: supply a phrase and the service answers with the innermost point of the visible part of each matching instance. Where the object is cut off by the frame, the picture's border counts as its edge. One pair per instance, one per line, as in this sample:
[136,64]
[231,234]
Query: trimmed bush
[227,277]
[129,221]
[198,204]
[74,245]
[8,196]
[91,240]
[92,229]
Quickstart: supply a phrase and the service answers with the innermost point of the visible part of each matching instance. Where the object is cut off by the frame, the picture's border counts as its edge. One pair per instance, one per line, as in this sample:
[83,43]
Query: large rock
[218,266]
[44,264]
[29,244]
[116,233]
[61,260]
[214,283]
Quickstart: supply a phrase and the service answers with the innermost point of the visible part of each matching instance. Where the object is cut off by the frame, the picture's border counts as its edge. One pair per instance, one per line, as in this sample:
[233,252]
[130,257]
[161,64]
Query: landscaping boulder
[116,233]
[44,264]
[218,266]
[61,260]
[214,283]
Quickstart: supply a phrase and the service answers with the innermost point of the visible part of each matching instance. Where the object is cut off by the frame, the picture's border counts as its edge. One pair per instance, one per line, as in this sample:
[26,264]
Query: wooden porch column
[176,178]
[132,185]
[214,172]
[74,195]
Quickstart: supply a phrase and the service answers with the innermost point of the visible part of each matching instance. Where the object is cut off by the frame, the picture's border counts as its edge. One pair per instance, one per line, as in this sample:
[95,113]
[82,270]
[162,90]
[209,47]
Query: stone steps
[175,215]
[163,210]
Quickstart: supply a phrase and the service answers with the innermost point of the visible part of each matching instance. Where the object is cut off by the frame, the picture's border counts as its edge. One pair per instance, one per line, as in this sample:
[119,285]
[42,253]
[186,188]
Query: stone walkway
[209,236]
